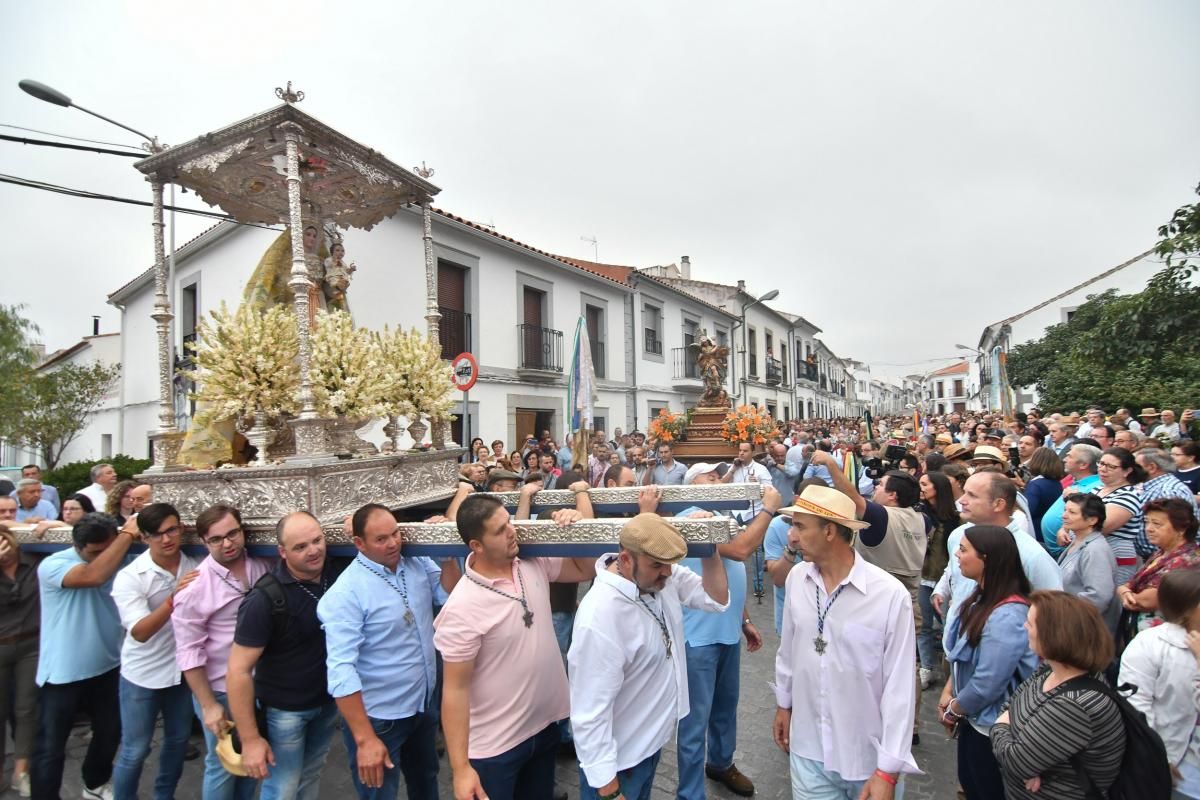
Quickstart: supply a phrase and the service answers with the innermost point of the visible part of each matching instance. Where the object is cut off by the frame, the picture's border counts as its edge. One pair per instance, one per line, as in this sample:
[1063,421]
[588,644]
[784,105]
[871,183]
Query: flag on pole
[581,393]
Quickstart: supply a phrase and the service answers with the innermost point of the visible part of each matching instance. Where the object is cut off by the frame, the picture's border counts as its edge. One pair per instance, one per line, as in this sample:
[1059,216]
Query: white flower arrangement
[349,375]
[420,382]
[245,362]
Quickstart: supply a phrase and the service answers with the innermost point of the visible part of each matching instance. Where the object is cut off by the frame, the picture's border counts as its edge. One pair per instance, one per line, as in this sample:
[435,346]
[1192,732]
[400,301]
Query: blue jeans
[564,622]
[57,707]
[929,638]
[410,745]
[300,742]
[524,772]
[713,685]
[140,708]
[636,782]
[811,781]
[219,784]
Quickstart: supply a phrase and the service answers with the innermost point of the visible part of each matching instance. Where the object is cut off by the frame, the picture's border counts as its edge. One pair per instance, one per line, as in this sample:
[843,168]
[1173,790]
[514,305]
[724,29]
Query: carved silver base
[312,441]
[166,447]
[344,439]
[330,491]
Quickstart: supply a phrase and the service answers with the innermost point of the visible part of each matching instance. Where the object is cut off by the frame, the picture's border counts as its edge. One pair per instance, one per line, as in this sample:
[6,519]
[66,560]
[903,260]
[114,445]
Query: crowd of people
[1020,567]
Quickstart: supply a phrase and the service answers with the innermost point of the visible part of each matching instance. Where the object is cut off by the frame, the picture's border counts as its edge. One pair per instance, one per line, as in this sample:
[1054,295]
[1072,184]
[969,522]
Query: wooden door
[526,426]
[532,318]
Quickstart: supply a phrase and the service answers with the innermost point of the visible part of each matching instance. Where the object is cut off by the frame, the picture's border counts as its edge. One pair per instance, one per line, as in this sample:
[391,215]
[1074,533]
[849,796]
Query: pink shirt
[519,685]
[206,614]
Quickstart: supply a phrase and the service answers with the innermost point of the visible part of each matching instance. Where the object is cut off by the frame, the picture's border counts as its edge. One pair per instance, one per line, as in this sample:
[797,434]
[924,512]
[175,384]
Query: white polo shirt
[137,590]
[626,695]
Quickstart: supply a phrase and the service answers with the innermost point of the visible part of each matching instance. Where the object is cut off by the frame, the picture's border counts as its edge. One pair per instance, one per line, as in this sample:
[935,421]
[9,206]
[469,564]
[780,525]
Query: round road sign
[466,371]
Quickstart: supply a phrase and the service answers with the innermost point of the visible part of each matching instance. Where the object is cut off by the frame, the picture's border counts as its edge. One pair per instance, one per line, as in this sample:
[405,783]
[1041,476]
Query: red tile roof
[961,368]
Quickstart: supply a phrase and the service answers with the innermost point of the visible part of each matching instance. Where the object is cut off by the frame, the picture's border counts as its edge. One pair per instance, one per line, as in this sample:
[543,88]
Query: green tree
[56,405]
[17,360]
[1126,350]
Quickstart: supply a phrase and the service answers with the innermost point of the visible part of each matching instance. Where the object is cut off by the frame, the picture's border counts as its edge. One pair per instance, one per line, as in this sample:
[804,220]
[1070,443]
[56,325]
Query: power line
[45,143]
[83,193]
[72,138]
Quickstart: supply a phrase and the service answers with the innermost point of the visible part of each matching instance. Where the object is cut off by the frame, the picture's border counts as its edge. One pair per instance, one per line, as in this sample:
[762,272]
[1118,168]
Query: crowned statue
[328,273]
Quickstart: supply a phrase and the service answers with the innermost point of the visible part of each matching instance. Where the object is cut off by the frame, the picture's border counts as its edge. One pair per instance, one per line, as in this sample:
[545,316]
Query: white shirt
[626,695]
[1160,664]
[755,472]
[137,590]
[853,707]
[97,494]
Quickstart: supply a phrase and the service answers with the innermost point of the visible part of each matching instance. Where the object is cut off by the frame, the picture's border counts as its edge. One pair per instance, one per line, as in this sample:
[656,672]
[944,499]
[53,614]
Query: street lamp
[974,350]
[771,295]
[51,95]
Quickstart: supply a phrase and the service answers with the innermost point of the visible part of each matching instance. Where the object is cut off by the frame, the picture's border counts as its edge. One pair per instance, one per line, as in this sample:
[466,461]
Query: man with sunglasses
[150,682]
[204,620]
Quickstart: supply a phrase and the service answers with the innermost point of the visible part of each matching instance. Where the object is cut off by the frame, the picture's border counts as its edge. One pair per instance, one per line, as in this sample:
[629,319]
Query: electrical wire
[64,145]
[73,138]
[83,193]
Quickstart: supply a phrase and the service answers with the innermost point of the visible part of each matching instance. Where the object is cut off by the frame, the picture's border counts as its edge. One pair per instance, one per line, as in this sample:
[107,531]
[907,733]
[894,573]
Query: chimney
[741,286]
[95,325]
[685,267]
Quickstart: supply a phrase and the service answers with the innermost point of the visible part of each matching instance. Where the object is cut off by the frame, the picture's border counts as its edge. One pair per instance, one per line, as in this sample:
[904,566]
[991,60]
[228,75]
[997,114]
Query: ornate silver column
[166,442]
[432,315]
[311,437]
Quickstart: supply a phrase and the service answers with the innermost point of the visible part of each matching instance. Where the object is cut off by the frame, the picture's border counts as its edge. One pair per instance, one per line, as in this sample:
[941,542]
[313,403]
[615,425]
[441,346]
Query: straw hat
[653,536]
[988,453]
[1071,419]
[1149,413]
[954,451]
[944,438]
[826,503]
[230,758]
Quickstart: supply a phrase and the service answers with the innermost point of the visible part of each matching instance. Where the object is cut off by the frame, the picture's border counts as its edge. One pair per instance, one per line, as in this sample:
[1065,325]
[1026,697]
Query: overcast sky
[903,172]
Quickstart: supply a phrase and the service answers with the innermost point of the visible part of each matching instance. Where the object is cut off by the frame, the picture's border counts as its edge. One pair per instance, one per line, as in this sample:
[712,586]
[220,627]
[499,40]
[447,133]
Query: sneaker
[22,783]
[99,793]
[732,778]
[927,677]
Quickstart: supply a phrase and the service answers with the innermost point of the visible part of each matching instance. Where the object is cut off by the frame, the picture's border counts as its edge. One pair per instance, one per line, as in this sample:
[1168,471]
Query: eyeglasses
[171,531]
[1108,465]
[216,541]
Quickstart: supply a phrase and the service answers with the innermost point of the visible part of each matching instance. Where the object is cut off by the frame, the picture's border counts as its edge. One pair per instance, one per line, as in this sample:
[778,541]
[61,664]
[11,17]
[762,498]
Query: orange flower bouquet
[747,424]
[668,426]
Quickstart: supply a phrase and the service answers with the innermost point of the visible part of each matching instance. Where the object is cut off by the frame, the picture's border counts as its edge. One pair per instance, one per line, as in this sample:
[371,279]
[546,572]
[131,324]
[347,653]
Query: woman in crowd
[497,449]
[1046,484]
[1162,663]
[73,509]
[988,651]
[529,463]
[937,498]
[1171,527]
[1119,473]
[126,499]
[20,622]
[1087,564]
[1049,722]
[475,444]
[482,454]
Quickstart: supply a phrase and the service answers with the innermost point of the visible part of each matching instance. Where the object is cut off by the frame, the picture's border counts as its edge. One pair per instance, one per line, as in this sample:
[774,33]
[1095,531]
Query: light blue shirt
[702,627]
[783,478]
[370,647]
[1040,568]
[50,495]
[669,477]
[43,509]
[819,471]
[81,629]
[1052,519]
[565,457]
[773,545]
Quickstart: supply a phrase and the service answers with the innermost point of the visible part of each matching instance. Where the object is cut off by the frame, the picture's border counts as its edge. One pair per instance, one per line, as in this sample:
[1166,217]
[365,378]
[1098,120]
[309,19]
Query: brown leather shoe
[732,778]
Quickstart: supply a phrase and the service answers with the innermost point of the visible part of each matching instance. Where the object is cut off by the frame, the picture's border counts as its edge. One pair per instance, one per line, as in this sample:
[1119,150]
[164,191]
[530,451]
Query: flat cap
[653,536]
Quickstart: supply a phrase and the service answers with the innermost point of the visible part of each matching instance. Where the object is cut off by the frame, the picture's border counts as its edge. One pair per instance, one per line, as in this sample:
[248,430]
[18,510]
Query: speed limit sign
[466,371]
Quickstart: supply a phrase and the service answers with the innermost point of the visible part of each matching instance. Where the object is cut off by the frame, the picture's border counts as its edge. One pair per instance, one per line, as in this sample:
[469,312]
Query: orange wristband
[886,776]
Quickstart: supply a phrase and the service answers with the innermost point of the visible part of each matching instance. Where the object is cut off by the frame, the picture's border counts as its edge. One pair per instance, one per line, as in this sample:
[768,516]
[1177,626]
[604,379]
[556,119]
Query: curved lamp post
[771,295]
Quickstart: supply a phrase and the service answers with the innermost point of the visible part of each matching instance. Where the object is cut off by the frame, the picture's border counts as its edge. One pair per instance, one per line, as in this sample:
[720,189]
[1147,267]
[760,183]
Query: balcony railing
[541,348]
[684,361]
[598,362]
[454,330]
[774,371]
[652,343]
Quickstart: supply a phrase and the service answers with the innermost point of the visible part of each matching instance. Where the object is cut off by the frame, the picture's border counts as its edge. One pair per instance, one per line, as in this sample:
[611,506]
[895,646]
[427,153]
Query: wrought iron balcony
[685,366]
[454,331]
[652,343]
[540,348]
[774,371]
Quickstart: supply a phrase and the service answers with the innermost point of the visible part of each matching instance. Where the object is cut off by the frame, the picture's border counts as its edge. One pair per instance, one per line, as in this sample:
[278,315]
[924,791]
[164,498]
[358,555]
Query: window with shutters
[454,329]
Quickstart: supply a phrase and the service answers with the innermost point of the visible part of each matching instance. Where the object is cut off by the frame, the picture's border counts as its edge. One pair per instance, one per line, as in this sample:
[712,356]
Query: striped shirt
[1123,540]
[1045,730]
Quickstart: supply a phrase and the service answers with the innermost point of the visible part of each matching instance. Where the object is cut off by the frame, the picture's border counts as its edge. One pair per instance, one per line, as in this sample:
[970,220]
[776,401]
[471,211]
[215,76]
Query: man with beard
[278,660]
[628,662]
[205,619]
[505,688]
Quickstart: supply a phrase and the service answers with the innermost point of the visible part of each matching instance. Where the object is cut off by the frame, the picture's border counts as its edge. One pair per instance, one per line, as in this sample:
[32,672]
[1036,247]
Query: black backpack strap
[1087,682]
[269,585]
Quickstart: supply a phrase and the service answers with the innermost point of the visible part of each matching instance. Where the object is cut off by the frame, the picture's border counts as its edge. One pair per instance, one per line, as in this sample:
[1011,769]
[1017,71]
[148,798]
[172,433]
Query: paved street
[757,755]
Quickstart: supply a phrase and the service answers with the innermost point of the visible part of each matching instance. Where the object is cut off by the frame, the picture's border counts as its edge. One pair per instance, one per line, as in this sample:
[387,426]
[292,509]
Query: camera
[876,468]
